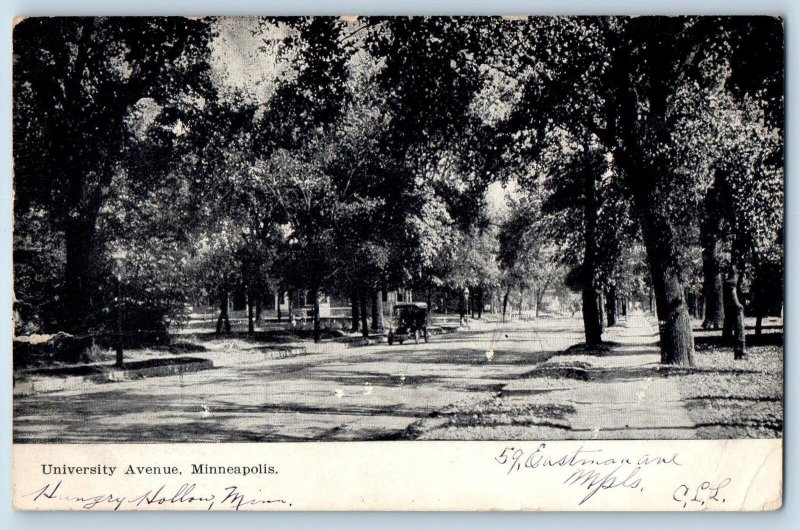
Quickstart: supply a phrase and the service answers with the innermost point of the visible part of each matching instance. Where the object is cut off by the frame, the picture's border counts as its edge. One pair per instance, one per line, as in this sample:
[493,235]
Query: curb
[39,384]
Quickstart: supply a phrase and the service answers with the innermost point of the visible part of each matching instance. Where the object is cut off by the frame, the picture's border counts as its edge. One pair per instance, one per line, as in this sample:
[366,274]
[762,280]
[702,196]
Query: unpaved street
[361,393]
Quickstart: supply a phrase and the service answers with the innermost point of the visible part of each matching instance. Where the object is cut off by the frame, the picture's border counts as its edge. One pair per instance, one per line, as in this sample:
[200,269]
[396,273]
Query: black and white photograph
[362,229]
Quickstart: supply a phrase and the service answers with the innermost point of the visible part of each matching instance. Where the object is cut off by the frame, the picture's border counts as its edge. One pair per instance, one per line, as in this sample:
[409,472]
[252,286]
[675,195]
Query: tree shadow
[474,357]
[582,371]
[179,347]
[604,349]
[148,418]
[705,342]
[273,336]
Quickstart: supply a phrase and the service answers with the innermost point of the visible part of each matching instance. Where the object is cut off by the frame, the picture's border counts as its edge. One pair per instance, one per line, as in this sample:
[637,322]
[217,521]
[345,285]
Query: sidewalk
[622,396]
[616,393]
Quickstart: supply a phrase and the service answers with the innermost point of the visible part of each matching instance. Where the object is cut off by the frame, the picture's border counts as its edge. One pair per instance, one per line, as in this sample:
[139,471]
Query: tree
[617,97]
[361,162]
[474,264]
[728,116]
[438,146]
[547,123]
[292,153]
[76,83]
[528,254]
[657,58]
[297,183]
[711,233]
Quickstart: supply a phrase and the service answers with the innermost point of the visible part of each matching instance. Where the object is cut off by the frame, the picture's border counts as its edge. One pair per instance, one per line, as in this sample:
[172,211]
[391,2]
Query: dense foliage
[634,158]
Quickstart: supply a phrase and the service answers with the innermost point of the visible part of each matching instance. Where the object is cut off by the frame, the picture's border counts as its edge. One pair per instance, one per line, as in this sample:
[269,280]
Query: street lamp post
[120,258]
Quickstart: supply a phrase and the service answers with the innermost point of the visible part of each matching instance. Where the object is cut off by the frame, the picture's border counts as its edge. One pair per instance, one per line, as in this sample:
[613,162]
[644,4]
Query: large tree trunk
[733,330]
[505,302]
[710,236]
[84,197]
[592,326]
[364,323]
[759,298]
[317,330]
[462,305]
[250,324]
[355,314]
[479,302]
[471,299]
[601,308]
[79,237]
[540,297]
[223,322]
[695,303]
[627,129]
[592,319]
[767,290]
[611,305]
[377,310]
[712,287]
[675,324]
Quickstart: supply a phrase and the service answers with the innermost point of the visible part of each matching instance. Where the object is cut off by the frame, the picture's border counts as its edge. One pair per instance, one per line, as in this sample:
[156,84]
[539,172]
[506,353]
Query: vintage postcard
[398,263]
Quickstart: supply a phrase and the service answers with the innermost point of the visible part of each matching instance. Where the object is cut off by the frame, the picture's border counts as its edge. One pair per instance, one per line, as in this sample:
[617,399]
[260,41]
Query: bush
[40,350]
